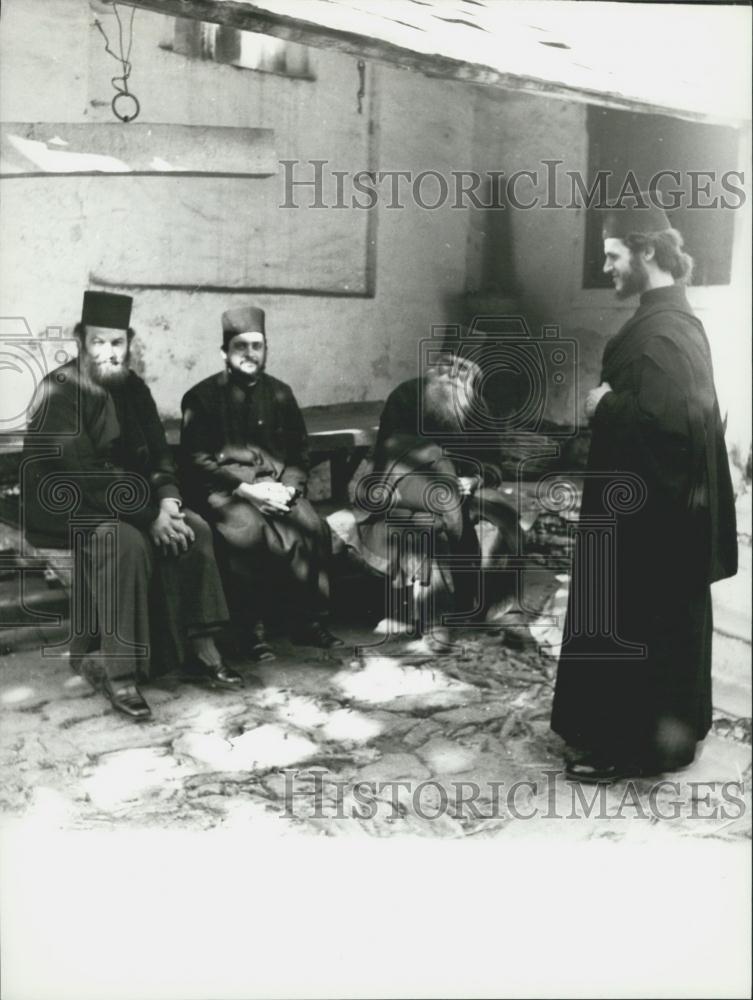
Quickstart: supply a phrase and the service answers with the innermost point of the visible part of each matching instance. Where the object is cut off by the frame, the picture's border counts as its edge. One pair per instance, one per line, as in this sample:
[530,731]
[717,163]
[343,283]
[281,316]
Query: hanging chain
[361,85]
[120,83]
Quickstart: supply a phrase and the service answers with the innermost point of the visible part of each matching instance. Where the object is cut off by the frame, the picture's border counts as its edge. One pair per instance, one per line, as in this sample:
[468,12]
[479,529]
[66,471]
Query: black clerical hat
[106,309]
[645,217]
[244,319]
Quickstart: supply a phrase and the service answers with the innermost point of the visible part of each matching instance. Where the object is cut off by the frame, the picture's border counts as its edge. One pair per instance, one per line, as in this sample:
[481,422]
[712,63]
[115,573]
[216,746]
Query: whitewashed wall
[330,349]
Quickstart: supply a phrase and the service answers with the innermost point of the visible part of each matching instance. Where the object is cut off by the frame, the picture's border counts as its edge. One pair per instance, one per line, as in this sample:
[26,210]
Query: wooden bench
[340,435]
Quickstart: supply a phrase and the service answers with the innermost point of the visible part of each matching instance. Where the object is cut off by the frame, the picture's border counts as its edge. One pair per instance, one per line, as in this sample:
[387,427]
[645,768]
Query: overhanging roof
[688,60]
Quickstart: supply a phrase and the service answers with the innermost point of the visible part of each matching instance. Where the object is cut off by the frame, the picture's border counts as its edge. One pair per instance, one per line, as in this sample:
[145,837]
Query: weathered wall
[518,132]
[329,349]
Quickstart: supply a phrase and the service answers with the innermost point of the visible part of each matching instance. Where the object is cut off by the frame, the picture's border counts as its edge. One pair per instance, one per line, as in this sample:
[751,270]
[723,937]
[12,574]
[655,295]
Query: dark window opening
[621,142]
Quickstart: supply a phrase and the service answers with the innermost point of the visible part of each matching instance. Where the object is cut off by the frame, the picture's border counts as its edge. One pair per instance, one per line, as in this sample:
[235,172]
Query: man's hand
[169,530]
[594,398]
[468,485]
[269,497]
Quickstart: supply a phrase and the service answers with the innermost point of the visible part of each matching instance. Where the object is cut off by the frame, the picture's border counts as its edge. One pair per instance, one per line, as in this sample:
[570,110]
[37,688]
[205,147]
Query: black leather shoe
[125,697]
[219,675]
[315,634]
[590,767]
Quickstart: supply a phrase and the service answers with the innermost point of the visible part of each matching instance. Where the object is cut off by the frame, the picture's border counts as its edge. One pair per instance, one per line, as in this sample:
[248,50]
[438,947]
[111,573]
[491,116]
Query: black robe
[417,462]
[657,526]
[92,435]
[234,432]
[96,466]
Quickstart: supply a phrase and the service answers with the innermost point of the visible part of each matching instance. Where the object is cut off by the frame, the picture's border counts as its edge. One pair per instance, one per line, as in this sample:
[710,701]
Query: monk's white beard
[447,402]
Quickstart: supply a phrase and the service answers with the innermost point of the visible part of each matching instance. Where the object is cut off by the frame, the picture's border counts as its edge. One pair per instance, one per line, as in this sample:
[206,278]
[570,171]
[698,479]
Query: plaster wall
[329,349]
[515,132]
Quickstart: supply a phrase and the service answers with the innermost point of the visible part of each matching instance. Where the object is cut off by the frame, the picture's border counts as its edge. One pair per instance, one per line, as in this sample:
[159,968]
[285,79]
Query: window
[233,47]
[623,141]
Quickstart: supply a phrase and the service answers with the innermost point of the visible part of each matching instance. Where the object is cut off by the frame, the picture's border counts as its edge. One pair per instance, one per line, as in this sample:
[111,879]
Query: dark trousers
[274,563]
[431,536]
[140,605]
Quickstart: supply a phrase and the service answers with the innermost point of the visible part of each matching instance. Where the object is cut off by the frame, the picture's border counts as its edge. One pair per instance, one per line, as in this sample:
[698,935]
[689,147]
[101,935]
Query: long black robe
[636,655]
[95,468]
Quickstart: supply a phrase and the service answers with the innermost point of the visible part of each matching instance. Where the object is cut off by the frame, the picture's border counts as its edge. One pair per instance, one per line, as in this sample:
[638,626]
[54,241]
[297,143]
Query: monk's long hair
[668,252]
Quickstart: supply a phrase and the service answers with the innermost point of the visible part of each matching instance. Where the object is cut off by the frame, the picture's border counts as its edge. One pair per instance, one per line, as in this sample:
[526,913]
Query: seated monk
[98,477]
[433,485]
[245,455]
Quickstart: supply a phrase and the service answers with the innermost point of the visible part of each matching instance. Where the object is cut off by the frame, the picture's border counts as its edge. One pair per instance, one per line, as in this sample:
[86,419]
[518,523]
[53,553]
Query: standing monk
[245,455]
[150,592]
[658,473]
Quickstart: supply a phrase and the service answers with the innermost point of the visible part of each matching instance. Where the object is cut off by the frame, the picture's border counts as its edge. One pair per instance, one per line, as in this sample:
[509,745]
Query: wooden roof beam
[247,17]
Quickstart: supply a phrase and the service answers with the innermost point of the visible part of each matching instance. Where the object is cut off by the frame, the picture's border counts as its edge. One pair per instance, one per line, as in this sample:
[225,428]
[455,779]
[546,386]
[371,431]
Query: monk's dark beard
[242,378]
[636,280]
[105,375]
[446,404]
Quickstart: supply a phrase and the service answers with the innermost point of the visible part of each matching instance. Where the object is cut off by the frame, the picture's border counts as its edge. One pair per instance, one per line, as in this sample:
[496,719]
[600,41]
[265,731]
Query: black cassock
[96,466]
[234,432]
[657,526]
[413,524]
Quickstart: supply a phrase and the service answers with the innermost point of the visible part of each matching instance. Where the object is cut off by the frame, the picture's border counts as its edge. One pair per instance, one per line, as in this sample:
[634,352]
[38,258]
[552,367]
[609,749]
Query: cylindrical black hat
[244,319]
[645,217]
[106,309]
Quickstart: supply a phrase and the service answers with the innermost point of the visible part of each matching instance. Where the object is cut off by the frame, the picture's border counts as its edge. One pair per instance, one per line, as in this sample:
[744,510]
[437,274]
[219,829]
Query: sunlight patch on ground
[383,679]
[303,712]
[271,746]
[265,746]
[355,727]
[206,748]
[342,724]
[127,774]
[14,696]
[209,719]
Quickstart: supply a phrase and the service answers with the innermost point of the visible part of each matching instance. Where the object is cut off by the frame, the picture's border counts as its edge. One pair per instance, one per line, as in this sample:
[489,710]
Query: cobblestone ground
[287,757]
[376,740]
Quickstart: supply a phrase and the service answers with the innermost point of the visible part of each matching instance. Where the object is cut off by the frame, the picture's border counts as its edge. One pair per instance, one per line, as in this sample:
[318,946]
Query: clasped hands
[594,398]
[270,497]
[169,530]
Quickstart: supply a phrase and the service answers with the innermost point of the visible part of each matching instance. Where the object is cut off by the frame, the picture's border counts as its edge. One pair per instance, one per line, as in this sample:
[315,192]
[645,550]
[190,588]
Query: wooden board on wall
[28,148]
[224,233]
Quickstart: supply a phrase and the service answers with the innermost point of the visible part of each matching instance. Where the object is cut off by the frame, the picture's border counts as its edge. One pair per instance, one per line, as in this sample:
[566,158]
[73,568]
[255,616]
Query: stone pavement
[288,757]
[380,739]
